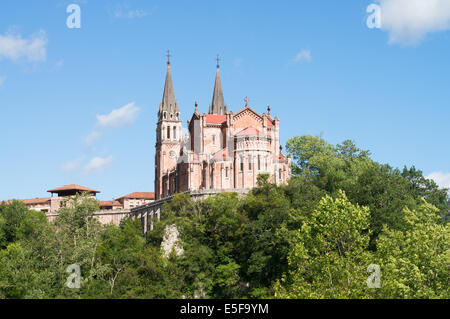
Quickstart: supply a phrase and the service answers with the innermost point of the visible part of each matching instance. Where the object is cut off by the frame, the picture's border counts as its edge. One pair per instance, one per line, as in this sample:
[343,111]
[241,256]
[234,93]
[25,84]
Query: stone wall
[105,217]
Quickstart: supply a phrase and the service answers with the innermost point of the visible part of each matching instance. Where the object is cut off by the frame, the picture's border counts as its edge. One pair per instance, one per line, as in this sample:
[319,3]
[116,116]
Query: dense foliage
[313,238]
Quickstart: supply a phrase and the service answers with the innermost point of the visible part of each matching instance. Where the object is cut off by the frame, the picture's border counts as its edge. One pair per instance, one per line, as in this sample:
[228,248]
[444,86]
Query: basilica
[221,151]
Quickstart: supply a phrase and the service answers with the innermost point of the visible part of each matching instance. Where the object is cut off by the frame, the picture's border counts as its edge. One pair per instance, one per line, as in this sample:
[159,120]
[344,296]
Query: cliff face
[171,242]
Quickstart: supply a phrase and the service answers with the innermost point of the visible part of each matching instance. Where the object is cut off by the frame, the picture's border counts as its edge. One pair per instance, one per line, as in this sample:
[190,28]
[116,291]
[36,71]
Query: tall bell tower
[168,136]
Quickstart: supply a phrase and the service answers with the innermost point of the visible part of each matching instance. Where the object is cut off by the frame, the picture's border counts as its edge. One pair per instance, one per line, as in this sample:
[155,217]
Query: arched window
[259,163]
[249,162]
[280,173]
[174,132]
[168,132]
[242,163]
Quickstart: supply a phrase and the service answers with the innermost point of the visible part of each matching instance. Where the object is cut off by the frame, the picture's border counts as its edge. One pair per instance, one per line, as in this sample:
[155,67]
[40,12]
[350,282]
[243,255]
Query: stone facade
[104,217]
[221,151]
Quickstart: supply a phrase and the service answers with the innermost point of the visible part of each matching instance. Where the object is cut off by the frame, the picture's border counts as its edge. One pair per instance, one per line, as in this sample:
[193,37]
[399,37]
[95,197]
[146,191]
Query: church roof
[215,118]
[250,131]
[222,154]
[247,109]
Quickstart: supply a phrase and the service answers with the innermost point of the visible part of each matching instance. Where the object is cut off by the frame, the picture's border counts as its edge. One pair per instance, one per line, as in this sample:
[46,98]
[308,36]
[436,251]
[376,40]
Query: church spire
[168,104]
[218,104]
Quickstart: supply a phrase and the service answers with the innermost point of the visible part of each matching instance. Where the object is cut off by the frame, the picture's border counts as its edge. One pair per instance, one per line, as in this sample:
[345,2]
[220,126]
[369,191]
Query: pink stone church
[221,150]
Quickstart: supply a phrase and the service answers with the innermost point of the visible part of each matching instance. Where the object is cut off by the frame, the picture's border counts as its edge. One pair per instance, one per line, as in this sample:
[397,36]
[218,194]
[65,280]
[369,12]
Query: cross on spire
[218,60]
[168,56]
[246,100]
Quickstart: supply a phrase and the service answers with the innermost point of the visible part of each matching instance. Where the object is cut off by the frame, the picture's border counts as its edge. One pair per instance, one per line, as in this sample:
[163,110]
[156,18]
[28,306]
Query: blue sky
[316,63]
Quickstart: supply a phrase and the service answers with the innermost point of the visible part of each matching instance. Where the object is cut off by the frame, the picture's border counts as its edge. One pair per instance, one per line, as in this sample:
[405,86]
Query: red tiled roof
[250,131]
[221,154]
[36,201]
[139,195]
[104,203]
[215,118]
[72,187]
[269,123]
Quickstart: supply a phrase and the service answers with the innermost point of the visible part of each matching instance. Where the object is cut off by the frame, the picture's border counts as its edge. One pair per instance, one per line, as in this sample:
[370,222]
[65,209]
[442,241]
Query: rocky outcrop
[171,241]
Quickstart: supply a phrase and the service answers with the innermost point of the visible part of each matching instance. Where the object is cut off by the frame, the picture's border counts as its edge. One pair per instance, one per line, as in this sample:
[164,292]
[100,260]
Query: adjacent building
[51,205]
[136,199]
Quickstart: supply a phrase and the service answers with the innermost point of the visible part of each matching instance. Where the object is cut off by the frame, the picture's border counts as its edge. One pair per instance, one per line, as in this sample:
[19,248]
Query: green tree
[11,218]
[330,257]
[415,260]
[428,189]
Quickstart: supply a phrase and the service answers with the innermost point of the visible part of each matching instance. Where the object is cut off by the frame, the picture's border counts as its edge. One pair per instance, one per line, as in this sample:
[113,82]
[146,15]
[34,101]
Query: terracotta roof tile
[215,118]
[139,195]
[36,201]
[250,131]
[221,154]
[72,187]
[104,203]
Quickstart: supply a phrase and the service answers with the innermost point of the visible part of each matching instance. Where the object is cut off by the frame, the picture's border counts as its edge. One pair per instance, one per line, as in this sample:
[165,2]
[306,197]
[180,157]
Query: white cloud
[124,115]
[303,56]
[442,179]
[92,137]
[14,47]
[408,21]
[72,166]
[2,80]
[97,164]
